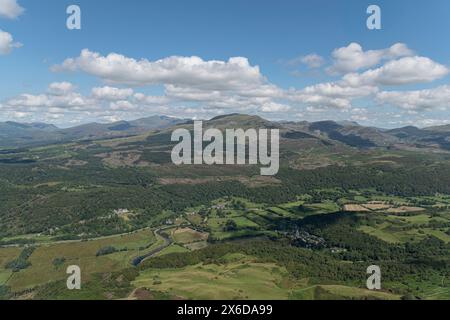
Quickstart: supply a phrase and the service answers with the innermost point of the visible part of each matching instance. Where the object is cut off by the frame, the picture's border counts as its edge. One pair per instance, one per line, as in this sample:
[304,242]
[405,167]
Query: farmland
[236,274]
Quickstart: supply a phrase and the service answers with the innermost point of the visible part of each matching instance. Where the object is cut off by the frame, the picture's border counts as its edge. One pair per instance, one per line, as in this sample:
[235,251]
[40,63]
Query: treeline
[298,261]
[318,266]
[401,181]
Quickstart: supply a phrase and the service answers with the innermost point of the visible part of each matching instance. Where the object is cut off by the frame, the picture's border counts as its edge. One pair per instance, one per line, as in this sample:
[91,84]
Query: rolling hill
[13,134]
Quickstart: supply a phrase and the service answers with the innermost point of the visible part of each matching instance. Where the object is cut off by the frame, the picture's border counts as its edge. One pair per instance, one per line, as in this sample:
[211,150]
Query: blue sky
[275,78]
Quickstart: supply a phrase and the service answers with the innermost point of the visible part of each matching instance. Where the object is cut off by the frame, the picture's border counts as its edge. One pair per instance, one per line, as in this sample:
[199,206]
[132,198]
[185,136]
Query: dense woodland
[89,193]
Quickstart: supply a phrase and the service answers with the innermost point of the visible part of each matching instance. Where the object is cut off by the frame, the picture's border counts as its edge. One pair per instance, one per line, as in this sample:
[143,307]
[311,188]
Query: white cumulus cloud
[313,60]
[408,70]
[7,42]
[198,88]
[353,57]
[60,88]
[175,70]
[272,107]
[436,98]
[10,9]
[111,93]
[330,95]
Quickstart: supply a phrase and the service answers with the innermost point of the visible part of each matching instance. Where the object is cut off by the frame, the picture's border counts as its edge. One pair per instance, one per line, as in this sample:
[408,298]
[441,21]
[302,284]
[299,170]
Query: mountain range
[14,134]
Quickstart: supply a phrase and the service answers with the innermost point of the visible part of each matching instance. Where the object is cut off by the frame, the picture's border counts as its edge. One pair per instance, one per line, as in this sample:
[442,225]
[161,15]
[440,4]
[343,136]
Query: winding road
[158,234]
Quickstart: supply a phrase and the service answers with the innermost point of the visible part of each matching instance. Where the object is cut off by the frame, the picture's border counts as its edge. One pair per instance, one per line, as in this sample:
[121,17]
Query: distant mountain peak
[443,128]
[325,126]
[237,120]
[347,123]
[32,125]
[225,116]
[17,124]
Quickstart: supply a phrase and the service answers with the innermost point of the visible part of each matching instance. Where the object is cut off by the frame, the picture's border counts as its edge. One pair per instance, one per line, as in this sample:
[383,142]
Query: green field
[6,255]
[239,280]
[402,229]
[244,278]
[83,254]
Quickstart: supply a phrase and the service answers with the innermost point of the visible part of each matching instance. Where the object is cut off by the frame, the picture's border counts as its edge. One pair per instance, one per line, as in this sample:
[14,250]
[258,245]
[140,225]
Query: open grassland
[6,255]
[84,254]
[244,278]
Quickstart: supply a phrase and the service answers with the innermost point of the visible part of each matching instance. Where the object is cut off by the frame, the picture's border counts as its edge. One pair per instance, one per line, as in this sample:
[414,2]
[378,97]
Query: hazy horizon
[208,119]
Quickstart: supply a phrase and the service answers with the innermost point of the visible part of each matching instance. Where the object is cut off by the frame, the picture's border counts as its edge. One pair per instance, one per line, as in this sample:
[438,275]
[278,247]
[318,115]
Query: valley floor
[187,257]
